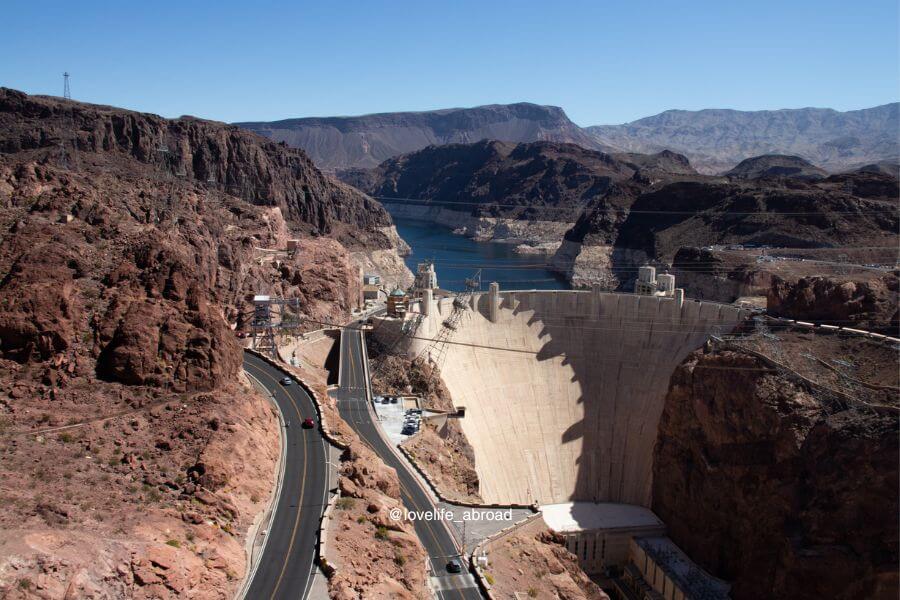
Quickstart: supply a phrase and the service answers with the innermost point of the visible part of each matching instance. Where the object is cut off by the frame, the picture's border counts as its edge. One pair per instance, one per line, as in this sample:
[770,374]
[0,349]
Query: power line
[579,208]
[517,350]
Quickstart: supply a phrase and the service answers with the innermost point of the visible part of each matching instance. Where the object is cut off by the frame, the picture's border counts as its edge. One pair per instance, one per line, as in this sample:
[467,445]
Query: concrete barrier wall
[563,393]
[530,525]
[324,563]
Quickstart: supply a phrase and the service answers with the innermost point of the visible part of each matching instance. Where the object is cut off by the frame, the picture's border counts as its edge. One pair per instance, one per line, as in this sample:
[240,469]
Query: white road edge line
[282,436]
[313,563]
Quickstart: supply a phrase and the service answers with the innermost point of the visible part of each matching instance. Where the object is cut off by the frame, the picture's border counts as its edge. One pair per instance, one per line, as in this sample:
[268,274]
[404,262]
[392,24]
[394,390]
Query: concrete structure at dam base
[599,533]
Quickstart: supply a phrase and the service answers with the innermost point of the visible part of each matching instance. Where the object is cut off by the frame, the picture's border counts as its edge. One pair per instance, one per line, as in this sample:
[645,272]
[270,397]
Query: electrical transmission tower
[436,351]
[264,322]
[64,153]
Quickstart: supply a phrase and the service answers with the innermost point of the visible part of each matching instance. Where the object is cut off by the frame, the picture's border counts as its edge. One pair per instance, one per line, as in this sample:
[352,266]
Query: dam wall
[563,390]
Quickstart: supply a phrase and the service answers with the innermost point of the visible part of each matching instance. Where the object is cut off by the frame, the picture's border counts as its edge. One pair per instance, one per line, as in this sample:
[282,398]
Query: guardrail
[326,566]
[825,328]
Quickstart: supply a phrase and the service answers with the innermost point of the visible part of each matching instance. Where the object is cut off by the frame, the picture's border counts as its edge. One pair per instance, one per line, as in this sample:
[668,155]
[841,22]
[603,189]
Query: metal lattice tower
[264,322]
[436,351]
[64,154]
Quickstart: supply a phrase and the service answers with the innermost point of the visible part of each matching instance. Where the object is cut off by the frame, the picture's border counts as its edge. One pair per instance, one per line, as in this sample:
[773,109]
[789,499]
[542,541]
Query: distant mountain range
[715,140]
[366,141]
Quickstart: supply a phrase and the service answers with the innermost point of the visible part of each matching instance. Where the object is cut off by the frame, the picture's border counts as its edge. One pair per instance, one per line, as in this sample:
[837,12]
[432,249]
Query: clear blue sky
[603,61]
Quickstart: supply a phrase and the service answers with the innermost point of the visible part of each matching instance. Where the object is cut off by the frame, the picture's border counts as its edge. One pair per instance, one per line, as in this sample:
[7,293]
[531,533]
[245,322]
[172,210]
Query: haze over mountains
[715,140]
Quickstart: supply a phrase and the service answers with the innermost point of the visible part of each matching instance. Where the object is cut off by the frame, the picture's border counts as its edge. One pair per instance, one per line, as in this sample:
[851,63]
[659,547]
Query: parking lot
[393,417]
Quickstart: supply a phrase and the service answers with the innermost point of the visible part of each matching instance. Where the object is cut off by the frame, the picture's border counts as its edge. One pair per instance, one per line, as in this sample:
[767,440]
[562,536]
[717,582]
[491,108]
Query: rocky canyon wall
[781,487]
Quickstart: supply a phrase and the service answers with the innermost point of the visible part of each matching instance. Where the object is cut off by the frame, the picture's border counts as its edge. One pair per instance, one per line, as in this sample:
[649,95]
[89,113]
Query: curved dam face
[563,390]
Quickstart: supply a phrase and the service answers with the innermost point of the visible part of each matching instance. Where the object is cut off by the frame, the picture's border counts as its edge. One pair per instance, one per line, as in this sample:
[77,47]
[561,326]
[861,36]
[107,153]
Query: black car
[454,567]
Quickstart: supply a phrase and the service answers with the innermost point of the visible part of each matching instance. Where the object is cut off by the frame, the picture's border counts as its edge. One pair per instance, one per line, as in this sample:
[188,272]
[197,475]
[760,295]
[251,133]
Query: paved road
[353,406]
[288,564]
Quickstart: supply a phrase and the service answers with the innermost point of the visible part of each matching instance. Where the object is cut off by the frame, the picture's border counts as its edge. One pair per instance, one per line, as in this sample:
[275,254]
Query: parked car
[454,567]
[394,399]
[308,423]
[287,381]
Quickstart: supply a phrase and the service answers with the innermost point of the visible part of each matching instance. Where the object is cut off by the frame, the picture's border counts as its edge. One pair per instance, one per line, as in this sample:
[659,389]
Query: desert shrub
[345,503]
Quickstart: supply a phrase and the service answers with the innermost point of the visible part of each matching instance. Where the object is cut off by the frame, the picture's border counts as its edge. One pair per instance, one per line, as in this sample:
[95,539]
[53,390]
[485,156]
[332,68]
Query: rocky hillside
[530,192]
[717,139]
[633,225]
[783,487]
[366,141]
[130,246]
[870,303]
[776,165]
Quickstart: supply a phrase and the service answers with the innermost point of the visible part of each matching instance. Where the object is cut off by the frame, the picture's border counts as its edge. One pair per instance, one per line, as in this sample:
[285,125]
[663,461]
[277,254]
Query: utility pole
[67,94]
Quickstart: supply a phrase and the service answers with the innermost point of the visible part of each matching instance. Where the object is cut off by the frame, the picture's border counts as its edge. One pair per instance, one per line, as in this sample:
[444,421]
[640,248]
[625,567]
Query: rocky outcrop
[774,485]
[538,565]
[718,276]
[636,225]
[542,181]
[498,191]
[776,165]
[375,556]
[870,304]
[136,455]
[224,158]
[368,140]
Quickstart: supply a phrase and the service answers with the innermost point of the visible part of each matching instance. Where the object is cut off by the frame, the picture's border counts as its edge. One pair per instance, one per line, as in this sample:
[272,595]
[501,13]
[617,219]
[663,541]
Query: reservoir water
[457,257]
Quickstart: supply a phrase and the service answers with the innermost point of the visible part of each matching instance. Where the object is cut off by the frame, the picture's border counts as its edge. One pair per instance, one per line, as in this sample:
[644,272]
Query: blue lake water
[457,257]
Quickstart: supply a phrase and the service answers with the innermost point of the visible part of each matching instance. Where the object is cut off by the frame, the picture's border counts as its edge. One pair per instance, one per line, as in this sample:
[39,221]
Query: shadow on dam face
[563,393]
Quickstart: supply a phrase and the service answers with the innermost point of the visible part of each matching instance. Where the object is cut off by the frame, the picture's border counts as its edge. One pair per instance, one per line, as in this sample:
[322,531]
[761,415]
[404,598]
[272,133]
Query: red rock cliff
[767,484]
[134,455]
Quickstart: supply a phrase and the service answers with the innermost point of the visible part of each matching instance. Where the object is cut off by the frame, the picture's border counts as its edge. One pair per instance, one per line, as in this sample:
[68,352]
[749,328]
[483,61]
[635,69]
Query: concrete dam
[563,390]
